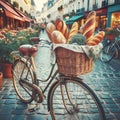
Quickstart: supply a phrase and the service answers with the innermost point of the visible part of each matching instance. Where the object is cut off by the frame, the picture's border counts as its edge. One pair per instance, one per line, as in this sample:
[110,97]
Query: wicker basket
[72,63]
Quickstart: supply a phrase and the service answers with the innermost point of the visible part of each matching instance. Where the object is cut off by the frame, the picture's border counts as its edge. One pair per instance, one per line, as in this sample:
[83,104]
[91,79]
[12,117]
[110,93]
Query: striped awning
[10,12]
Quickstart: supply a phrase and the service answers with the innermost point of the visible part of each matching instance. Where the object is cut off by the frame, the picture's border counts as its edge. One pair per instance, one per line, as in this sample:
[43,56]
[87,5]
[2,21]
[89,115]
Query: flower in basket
[78,39]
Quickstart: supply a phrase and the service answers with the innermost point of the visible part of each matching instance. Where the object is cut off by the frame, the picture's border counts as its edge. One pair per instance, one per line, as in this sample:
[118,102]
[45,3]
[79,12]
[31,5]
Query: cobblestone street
[104,80]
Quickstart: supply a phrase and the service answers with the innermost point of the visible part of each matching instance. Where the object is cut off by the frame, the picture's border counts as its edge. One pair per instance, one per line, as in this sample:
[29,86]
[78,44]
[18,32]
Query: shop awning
[73,19]
[24,16]
[10,12]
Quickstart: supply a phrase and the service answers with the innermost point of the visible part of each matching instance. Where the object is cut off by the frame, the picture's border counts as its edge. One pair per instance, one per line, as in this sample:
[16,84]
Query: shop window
[15,4]
[115,19]
[101,22]
[21,9]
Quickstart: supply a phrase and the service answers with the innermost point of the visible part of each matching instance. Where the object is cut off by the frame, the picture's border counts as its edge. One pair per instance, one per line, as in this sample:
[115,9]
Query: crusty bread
[100,35]
[59,24]
[49,29]
[73,31]
[62,27]
[58,37]
[89,26]
[91,42]
[96,39]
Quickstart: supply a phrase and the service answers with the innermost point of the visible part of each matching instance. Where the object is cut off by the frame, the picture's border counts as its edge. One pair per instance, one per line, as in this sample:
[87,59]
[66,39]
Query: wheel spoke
[81,103]
[22,72]
[108,52]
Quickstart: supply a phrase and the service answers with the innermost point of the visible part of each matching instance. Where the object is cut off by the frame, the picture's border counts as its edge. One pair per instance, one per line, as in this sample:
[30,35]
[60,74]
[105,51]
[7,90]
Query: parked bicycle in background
[111,46]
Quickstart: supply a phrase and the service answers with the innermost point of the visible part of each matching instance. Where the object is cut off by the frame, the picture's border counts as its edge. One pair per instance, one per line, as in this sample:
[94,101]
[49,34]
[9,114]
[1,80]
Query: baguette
[100,35]
[96,39]
[49,29]
[58,37]
[89,27]
[91,43]
[62,27]
[73,31]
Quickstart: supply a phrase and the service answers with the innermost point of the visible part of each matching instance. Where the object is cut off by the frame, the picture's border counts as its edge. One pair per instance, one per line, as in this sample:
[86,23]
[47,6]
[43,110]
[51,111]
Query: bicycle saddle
[28,50]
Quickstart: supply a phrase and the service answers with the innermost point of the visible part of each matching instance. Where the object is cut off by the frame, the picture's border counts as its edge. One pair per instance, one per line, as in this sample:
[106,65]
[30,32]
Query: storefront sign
[102,11]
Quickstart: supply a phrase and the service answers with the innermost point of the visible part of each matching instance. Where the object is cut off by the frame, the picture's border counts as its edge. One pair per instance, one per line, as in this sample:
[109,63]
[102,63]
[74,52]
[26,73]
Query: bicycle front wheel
[108,53]
[71,99]
[22,71]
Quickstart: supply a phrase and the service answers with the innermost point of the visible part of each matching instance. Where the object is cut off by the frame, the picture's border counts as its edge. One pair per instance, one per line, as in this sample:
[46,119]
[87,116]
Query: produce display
[59,33]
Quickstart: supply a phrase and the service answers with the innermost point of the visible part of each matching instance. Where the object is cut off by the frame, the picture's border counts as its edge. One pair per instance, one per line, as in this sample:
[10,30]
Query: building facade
[108,11]
[14,14]
[23,5]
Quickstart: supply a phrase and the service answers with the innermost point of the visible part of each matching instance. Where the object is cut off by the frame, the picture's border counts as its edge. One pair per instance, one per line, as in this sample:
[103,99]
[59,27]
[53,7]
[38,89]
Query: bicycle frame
[50,77]
[115,45]
[110,50]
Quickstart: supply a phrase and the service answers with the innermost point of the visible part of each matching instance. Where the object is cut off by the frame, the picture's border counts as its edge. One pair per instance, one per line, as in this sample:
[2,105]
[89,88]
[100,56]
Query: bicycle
[110,50]
[68,97]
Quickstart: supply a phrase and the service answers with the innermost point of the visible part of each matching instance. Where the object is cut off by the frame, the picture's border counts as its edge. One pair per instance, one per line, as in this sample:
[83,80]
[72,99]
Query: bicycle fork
[74,108]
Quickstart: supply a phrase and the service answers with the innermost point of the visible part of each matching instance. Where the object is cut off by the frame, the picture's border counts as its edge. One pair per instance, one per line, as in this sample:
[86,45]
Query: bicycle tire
[86,106]
[108,53]
[26,74]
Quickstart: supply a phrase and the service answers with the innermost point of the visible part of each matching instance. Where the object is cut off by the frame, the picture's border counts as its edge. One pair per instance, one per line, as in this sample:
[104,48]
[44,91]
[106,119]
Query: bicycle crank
[36,91]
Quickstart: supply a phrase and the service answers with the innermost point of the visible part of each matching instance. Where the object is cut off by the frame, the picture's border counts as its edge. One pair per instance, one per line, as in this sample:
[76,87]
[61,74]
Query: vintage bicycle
[110,49]
[68,98]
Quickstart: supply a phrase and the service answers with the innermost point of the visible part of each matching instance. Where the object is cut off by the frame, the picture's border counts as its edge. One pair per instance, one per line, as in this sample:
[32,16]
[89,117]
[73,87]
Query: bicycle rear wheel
[108,53]
[22,71]
[79,102]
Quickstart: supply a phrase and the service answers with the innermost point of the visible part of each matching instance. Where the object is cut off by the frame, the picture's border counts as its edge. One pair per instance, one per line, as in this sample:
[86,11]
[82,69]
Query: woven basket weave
[72,63]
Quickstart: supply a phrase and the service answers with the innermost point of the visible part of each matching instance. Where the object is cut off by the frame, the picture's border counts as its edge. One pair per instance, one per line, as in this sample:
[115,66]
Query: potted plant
[6,47]
[5,59]
[12,43]
[111,33]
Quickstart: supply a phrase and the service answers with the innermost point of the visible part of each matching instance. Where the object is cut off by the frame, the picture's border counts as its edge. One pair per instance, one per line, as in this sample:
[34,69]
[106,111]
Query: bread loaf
[62,27]
[91,42]
[100,35]
[96,39]
[58,37]
[49,29]
[73,31]
[89,26]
